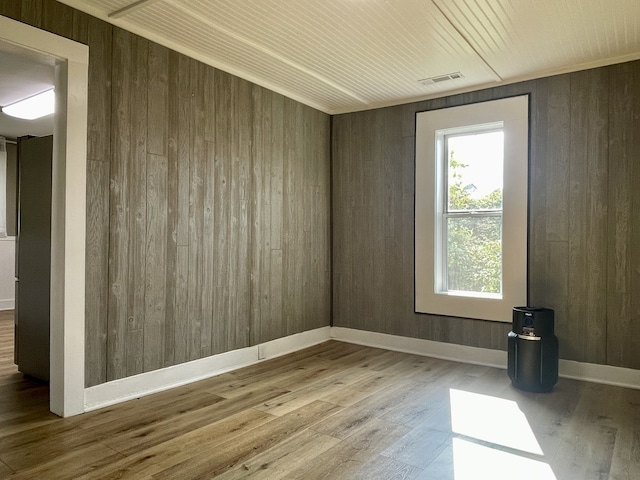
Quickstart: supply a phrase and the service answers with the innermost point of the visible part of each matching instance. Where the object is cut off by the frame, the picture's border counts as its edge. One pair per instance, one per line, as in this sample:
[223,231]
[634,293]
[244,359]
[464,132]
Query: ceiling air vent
[441,78]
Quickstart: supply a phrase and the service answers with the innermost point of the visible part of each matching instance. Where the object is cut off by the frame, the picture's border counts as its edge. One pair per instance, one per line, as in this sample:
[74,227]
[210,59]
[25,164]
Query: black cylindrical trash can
[533,349]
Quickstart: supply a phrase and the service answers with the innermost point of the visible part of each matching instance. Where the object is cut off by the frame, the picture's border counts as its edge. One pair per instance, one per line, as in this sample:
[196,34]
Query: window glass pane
[474,254]
[474,166]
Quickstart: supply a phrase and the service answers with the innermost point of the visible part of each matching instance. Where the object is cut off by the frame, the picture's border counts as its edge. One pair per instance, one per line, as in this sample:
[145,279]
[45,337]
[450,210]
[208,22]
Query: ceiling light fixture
[34,107]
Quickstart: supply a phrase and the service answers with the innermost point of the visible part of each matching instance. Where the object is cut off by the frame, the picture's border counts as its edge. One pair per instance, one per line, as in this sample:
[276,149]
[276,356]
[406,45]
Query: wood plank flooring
[333,411]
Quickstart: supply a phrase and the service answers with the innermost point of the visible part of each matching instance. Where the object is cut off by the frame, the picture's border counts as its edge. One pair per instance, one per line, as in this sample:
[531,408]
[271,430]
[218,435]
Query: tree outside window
[472,217]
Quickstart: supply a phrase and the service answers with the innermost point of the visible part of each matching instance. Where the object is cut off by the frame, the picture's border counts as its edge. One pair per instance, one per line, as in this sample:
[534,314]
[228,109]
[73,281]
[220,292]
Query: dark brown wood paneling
[275,326]
[208,228]
[99,36]
[315,260]
[342,264]
[158,104]
[582,224]
[588,164]
[11,9]
[173,129]
[215,176]
[208,240]
[196,209]
[155,263]
[629,354]
[549,200]
[258,221]
[181,90]
[290,219]
[119,214]
[263,167]
[623,304]
[185,204]
[243,166]
[97,271]
[57,18]
[136,75]
[222,214]
[32,12]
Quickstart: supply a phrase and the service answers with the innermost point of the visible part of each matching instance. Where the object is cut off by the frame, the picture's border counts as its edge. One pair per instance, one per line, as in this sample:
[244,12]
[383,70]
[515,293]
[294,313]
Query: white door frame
[68,210]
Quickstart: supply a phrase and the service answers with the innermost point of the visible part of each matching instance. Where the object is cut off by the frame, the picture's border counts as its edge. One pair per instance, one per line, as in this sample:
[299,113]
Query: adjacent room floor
[333,411]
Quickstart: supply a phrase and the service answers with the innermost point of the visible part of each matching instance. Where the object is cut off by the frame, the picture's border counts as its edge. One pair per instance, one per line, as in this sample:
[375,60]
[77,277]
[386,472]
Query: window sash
[442,262]
[442,230]
[445,155]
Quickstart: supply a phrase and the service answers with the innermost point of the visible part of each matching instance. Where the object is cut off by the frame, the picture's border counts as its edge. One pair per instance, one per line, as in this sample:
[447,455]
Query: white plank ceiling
[349,55]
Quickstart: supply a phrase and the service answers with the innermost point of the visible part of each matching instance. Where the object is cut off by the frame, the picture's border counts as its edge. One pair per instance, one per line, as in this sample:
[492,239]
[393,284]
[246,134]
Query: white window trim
[513,112]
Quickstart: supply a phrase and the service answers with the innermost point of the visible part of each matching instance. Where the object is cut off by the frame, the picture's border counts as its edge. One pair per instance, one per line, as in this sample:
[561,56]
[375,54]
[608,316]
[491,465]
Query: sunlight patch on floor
[472,461]
[499,442]
[492,419]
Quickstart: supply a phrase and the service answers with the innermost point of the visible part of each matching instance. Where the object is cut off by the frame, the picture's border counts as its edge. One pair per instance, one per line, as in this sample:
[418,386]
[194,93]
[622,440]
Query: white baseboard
[158,380]
[589,372]
[7,304]
[166,378]
[427,348]
[607,374]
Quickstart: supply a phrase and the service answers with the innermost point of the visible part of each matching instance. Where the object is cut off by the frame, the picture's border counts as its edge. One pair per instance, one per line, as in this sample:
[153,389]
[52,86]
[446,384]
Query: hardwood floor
[336,411]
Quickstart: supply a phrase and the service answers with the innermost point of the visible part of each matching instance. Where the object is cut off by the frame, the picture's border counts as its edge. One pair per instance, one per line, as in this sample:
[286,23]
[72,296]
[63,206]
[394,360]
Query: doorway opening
[68,209]
[25,245]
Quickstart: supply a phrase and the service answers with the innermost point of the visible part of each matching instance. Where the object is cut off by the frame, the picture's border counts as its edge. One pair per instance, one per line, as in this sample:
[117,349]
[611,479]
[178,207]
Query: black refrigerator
[33,256]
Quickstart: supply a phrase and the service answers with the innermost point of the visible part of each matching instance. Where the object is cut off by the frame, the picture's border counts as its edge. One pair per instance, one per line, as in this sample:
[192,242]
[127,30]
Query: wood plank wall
[207,204]
[584,225]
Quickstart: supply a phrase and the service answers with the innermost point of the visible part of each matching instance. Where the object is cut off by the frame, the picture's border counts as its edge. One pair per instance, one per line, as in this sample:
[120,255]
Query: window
[471,209]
